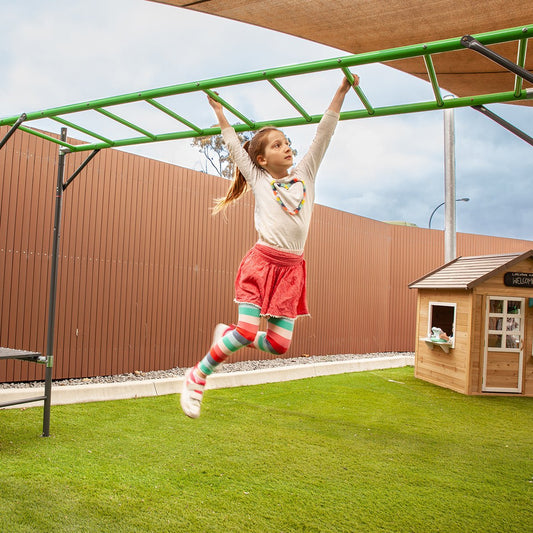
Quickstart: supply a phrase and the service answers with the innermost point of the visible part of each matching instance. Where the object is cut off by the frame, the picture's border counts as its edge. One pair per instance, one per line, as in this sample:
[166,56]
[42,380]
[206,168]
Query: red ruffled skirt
[274,281]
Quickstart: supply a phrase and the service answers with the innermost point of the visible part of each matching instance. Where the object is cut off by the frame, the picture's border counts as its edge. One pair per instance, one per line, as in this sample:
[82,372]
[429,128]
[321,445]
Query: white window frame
[430,319]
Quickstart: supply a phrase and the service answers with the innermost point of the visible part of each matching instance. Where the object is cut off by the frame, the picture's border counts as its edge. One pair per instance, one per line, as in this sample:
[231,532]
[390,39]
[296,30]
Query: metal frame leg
[473,44]
[80,168]
[53,289]
[13,129]
[60,187]
[508,126]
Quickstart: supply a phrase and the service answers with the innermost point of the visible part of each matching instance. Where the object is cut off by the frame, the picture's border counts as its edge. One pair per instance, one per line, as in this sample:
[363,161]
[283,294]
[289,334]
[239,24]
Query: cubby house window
[441,322]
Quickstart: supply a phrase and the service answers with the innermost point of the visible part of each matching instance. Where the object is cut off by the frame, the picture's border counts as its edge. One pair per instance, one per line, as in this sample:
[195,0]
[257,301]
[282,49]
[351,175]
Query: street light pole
[450,245]
[441,204]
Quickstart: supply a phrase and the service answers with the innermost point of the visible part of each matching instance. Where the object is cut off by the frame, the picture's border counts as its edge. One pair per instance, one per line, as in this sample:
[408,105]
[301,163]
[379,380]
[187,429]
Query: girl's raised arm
[338,99]
[219,112]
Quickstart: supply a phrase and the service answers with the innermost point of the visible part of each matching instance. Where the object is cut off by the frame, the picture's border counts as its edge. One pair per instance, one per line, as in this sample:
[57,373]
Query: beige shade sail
[358,26]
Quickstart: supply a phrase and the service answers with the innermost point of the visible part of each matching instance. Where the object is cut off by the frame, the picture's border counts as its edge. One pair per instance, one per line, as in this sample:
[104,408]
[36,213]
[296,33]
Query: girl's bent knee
[282,351]
[277,347]
[246,335]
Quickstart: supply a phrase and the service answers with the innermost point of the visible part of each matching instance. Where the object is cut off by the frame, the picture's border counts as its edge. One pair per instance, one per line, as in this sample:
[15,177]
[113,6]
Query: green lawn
[370,451]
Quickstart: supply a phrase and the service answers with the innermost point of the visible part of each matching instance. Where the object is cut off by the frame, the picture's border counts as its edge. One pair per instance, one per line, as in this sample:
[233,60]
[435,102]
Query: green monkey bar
[188,129]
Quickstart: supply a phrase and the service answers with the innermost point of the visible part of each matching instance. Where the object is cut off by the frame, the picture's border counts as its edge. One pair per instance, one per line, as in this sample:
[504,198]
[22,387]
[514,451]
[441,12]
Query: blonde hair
[255,147]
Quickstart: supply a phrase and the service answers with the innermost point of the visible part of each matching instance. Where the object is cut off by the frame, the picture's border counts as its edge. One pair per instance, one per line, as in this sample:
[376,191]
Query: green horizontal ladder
[425,51]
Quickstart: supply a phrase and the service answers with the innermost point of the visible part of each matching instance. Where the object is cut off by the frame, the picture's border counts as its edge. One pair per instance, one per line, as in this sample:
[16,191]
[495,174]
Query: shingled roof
[467,272]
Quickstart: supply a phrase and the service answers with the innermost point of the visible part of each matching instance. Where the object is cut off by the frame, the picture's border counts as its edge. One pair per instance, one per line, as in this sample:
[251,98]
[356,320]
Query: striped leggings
[275,340]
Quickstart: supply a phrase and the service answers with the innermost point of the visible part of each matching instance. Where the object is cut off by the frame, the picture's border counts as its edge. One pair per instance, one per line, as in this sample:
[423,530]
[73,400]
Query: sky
[58,52]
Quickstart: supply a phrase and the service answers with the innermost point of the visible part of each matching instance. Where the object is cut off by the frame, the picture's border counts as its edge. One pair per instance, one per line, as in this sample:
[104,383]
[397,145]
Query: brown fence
[145,271]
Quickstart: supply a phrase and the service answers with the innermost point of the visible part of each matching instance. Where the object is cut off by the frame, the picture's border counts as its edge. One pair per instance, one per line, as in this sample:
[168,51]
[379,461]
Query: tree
[216,154]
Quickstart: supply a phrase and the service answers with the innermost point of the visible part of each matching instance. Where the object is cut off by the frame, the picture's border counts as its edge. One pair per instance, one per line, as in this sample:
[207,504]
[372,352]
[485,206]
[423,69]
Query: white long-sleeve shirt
[275,226]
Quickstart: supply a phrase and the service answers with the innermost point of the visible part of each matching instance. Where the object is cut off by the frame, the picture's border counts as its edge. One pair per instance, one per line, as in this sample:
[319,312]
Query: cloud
[379,168]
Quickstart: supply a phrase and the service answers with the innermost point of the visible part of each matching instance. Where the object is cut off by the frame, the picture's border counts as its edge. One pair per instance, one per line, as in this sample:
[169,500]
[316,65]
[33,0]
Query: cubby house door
[504,345]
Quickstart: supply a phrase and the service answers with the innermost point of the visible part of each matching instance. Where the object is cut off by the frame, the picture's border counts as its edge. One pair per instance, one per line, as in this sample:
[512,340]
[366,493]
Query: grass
[370,451]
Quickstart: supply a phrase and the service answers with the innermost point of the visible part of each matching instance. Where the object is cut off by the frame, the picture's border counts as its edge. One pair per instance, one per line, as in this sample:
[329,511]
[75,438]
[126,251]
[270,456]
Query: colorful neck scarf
[287,186]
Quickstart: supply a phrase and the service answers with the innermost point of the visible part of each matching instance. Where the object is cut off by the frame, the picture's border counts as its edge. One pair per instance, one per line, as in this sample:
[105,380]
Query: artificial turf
[369,451]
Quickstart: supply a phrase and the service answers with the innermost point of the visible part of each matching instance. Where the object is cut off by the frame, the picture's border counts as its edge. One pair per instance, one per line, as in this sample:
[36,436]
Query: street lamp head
[441,204]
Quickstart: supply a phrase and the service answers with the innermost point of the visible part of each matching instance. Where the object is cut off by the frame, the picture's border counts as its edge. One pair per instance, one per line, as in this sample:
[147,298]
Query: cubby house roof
[467,272]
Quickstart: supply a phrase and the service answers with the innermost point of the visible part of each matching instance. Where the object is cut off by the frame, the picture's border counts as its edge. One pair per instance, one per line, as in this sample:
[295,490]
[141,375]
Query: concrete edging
[101,392]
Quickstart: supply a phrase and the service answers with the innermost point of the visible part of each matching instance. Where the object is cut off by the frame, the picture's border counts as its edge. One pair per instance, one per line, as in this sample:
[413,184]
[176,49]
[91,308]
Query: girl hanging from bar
[271,280]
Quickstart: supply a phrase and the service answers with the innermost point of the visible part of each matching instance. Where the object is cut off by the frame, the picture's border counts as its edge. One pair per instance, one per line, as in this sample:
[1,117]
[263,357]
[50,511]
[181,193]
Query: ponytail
[236,190]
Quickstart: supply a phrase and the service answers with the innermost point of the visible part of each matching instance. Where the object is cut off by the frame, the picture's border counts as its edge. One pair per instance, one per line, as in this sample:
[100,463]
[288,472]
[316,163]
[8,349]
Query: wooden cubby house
[474,329]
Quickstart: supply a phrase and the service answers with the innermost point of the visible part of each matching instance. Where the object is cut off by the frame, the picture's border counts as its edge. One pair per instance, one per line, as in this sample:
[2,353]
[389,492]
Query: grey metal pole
[13,129]
[513,129]
[450,248]
[53,289]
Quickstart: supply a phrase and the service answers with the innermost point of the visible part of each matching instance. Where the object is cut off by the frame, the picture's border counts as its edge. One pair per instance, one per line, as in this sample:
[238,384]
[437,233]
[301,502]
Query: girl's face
[277,157]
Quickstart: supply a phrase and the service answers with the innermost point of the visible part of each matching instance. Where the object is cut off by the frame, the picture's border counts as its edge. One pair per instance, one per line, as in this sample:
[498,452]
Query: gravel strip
[244,366]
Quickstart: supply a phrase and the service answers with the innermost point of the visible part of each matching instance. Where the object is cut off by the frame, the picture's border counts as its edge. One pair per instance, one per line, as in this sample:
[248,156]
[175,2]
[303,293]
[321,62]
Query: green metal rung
[358,91]
[364,99]
[290,99]
[175,116]
[46,137]
[433,78]
[124,122]
[231,109]
[521,62]
[82,129]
